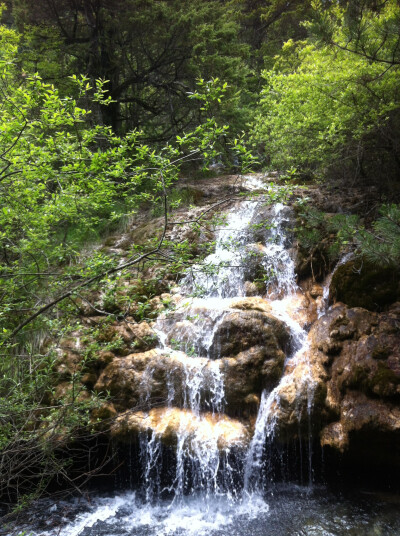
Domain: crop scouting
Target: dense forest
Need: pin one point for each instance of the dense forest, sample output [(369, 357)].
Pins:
[(105, 106)]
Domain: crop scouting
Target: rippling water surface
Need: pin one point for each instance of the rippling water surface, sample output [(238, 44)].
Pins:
[(287, 511)]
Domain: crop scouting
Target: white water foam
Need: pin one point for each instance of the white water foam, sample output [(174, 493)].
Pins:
[(193, 516), (253, 183), (198, 332), (221, 274), (280, 266), (277, 261), (192, 327), (264, 429), (103, 510)]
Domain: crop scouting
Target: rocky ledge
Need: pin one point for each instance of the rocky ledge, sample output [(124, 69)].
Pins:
[(344, 385)]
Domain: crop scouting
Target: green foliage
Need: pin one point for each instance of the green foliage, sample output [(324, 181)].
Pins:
[(246, 159), (62, 177), (183, 347), (36, 421), (323, 103), (379, 243), (150, 52), (267, 24), (334, 233)]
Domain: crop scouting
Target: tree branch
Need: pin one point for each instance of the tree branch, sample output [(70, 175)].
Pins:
[(81, 285), (365, 55)]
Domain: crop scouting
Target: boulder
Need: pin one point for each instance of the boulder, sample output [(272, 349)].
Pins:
[(263, 219), (299, 396), (127, 336), (358, 412), (360, 352), (224, 328), (143, 378), (349, 369), (68, 363), (251, 304), (252, 289), (246, 374), (105, 412), (253, 265), (150, 378), (239, 331), (358, 283)]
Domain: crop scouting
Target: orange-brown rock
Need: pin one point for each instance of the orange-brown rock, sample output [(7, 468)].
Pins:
[(255, 303), (239, 331), (347, 379), (360, 351), (246, 374), (104, 412), (68, 363), (201, 432), (133, 335), (132, 379), (358, 412), (149, 378), (299, 396), (104, 357), (68, 392), (300, 307)]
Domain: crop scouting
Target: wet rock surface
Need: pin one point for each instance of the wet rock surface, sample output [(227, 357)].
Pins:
[(360, 351), (344, 382), (168, 424), (246, 350), (239, 331)]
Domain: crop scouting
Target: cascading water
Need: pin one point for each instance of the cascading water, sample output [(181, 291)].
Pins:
[(222, 273), (277, 261), (221, 277), (204, 470), (282, 283), (325, 295)]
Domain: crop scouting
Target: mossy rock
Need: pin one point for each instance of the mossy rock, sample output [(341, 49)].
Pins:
[(188, 195), (314, 263), (147, 232), (385, 381), (358, 283)]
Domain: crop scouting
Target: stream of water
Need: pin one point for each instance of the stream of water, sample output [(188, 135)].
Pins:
[(213, 490)]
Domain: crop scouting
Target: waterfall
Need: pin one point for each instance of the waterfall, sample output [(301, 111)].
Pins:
[(200, 462), (220, 461), (277, 261), (325, 296)]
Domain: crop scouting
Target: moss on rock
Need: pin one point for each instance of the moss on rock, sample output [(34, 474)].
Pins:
[(358, 283)]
